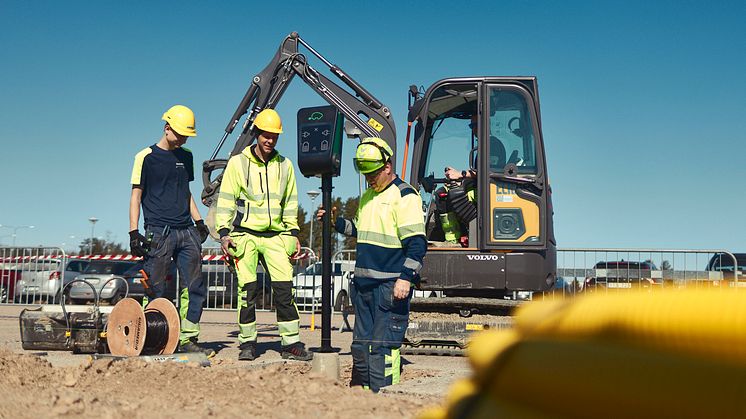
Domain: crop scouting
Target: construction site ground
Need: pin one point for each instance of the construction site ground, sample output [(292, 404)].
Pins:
[(37, 384)]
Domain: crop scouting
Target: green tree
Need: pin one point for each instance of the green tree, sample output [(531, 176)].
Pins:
[(102, 246), (304, 226)]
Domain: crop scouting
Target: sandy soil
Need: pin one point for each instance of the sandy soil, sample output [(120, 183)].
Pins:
[(31, 387)]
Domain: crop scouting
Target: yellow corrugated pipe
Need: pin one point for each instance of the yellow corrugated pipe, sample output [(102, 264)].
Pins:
[(677, 354)]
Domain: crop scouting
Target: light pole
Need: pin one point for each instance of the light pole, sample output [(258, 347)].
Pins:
[(93, 225), (15, 230), (313, 193)]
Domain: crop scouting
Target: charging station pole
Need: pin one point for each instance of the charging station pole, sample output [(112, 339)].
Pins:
[(319, 152), (326, 266)]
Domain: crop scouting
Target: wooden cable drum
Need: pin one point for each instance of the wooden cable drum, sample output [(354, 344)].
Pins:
[(131, 331)]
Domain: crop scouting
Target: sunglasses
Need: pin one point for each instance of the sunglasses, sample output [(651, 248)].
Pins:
[(375, 173)]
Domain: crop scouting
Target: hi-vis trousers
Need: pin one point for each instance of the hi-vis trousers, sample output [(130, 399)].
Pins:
[(275, 251)]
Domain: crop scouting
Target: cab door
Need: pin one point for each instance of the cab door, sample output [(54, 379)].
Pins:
[(517, 216)]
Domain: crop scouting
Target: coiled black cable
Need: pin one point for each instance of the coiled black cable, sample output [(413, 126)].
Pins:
[(157, 333)]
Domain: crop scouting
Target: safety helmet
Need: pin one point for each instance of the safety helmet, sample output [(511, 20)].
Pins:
[(269, 120), (181, 120), (372, 154)]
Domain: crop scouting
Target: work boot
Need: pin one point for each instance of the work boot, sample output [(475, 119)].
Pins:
[(357, 379), (192, 346), (296, 351), (248, 351)]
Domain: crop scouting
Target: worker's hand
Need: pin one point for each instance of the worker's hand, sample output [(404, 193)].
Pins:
[(226, 243), (202, 230), (401, 289), (452, 174), (136, 243), (296, 255), (321, 211)]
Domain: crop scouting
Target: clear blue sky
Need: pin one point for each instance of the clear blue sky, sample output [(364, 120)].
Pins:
[(643, 103)]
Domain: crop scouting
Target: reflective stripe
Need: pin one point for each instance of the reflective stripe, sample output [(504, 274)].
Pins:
[(226, 196), (183, 304), (247, 332), (374, 274), (348, 227), (189, 330), (412, 264), (393, 367), (411, 230), (289, 332), (378, 239)]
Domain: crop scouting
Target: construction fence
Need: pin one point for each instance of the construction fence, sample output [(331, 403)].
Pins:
[(45, 275)]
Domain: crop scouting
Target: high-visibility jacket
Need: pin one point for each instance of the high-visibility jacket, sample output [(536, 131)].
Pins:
[(390, 232), (257, 197)]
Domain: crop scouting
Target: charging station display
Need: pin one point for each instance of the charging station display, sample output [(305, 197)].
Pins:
[(319, 141)]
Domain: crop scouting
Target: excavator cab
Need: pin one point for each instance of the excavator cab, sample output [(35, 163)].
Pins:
[(502, 211)]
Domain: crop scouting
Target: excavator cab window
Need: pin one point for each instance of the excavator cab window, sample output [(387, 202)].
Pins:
[(451, 143), (512, 138)]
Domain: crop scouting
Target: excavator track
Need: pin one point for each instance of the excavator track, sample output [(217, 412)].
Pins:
[(442, 326)]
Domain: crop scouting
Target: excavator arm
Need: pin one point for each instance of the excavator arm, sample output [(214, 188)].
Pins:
[(371, 117)]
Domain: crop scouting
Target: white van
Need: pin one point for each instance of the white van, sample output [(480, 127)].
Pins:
[(308, 286)]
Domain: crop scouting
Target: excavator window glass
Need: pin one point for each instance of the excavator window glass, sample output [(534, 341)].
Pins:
[(450, 136), (512, 137), (451, 141)]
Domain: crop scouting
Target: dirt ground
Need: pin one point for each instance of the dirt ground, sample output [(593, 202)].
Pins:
[(37, 384)]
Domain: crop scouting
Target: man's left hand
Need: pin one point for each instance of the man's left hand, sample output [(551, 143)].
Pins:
[(202, 230), (401, 289)]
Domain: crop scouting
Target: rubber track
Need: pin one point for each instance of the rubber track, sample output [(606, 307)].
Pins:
[(433, 350)]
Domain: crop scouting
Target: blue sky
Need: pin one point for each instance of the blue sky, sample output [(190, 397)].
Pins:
[(643, 103)]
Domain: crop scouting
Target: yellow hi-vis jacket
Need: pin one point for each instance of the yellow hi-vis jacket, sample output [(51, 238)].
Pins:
[(257, 197)]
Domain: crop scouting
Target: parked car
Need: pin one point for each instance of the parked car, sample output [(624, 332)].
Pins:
[(108, 277), (43, 279), (308, 285), (723, 263), (10, 273), (623, 275)]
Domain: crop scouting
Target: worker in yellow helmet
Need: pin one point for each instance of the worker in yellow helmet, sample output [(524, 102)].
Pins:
[(390, 230), (160, 184), (257, 215)]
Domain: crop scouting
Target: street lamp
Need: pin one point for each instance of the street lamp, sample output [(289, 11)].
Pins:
[(15, 229), (312, 194), (93, 225)]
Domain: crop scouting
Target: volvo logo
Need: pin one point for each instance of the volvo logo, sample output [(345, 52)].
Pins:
[(483, 257)]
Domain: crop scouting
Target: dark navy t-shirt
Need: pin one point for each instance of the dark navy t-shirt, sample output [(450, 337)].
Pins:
[(164, 177)]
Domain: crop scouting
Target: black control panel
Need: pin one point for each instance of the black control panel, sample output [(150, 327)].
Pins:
[(319, 140)]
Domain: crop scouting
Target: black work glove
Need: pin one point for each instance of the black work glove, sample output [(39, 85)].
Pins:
[(202, 230), (136, 244)]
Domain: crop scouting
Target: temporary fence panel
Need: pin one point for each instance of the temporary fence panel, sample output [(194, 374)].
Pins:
[(308, 283), (33, 275), (222, 281), (589, 270)]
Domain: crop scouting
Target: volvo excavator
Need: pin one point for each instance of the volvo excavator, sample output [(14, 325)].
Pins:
[(490, 233)]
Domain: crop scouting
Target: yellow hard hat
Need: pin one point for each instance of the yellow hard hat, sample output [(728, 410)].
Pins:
[(181, 120), (372, 154), (269, 120)]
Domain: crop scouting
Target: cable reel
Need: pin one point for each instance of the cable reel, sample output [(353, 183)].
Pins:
[(131, 331)]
